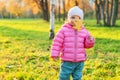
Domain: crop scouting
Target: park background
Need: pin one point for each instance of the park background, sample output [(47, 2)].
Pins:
[(26, 38)]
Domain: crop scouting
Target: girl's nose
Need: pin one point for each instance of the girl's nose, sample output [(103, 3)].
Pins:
[(77, 19)]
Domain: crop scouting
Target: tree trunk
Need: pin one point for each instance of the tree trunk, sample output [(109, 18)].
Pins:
[(64, 14), (98, 13), (10, 15), (109, 11), (59, 10), (52, 19), (104, 13), (44, 6), (115, 12), (55, 14), (76, 3), (46, 10), (1, 15)]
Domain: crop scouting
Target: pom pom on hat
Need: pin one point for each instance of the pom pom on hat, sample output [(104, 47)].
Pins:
[(75, 11)]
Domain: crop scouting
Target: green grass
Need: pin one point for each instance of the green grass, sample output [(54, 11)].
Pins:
[(25, 51)]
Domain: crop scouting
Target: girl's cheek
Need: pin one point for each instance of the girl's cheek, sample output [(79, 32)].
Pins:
[(72, 22)]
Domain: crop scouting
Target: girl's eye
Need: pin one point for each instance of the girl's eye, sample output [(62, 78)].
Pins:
[(72, 17)]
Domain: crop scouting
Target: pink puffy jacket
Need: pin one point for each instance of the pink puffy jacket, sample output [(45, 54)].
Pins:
[(71, 43)]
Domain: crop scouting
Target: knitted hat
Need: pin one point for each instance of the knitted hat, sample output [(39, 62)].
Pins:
[(75, 11)]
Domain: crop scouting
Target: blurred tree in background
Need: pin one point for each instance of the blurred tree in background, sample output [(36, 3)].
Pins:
[(106, 10), (39, 8), (15, 8), (18, 9)]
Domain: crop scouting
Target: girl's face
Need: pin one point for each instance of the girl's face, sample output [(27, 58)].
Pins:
[(73, 19)]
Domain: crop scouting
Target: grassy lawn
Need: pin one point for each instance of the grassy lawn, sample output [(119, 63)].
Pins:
[(25, 51)]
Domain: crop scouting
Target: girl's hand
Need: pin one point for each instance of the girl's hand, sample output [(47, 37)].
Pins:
[(90, 38)]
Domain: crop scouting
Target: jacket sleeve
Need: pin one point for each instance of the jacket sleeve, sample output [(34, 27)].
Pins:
[(88, 43), (57, 44)]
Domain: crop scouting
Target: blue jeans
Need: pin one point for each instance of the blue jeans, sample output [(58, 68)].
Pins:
[(71, 68)]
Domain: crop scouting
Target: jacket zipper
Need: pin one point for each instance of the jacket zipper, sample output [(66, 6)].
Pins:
[(75, 46)]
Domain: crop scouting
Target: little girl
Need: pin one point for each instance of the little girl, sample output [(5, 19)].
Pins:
[(71, 40)]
